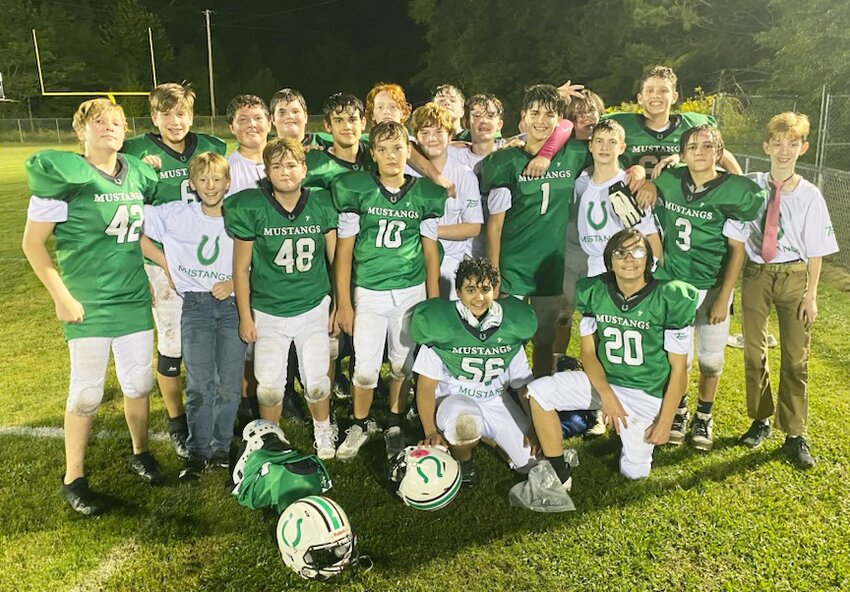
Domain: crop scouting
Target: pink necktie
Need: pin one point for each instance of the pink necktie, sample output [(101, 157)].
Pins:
[(771, 224)]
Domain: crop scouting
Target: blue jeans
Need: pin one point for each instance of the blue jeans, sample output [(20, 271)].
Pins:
[(214, 356)]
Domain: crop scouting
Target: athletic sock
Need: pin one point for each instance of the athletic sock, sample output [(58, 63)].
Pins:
[(362, 423), (178, 424), (705, 407), (562, 469), (324, 424), (394, 420)]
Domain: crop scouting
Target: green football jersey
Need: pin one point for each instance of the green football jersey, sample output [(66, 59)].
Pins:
[(692, 221), (645, 146), (97, 247), (323, 167), (631, 331), (473, 358), (289, 271), (534, 234), (274, 479), (173, 181), (388, 250)]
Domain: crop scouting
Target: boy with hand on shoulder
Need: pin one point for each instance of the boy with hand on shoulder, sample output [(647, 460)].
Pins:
[(93, 206), (250, 123), (285, 237), (462, 219), (696, 207), (388, 237), (199, 258), (169, 152), (785, 246)]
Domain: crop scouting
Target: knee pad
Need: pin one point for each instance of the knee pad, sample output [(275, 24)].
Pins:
[(467, 430), (318, 392), (334, 348), (398, 371), (84, 401), (168, 366), (710, 365), (365, 380), (269, 396)]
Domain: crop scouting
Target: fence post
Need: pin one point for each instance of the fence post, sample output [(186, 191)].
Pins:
[(20, 131), (58, 136), (133, 123)]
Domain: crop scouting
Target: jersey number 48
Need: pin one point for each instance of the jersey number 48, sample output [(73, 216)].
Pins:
[(296, 254)]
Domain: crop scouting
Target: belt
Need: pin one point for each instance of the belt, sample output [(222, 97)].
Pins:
[(786, 267)]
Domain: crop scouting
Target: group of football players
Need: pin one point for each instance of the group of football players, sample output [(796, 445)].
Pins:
[(442, 249)]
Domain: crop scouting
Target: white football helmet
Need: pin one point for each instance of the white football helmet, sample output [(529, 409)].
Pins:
[(428, 477), (260, 433), (315, 539)]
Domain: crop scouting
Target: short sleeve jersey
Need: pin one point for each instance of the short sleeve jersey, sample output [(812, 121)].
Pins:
[(173, 181), (631, 330), (289, 272), (534, 233), (323, 166), (388, 249), (97, 246), (476, 361), (645, 146), (692, 222)]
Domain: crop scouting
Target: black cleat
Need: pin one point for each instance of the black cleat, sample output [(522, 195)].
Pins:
[(293, 408), (82, 499), (220, 459), (146, 467), (469, 473), (759, 432), (178, 433)]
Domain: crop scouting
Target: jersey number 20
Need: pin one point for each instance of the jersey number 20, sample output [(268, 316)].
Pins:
[(623, 347)]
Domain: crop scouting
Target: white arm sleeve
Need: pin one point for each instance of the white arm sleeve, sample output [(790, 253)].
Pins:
[(679, 341), (587, 326), (428, 228), (44, 209), (348, 225), (499, 200)]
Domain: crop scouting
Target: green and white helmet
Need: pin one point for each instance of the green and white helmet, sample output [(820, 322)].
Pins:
[(428, 477), (315, 539), (260, 433)]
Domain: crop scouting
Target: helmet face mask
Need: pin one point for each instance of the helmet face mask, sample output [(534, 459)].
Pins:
[(315, 538), (427, 477)]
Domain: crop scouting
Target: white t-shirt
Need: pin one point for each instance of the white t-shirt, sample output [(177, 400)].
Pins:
[(244, 173), (198, 251), (429, 364), (805, 229), (597, 222), (464, 208)]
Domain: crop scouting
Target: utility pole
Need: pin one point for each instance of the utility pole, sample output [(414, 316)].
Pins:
[(210, 63)]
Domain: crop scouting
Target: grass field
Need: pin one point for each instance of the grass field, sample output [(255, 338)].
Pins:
[(733, 519)]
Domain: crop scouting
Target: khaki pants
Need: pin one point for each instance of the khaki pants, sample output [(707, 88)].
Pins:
[(782, 285)]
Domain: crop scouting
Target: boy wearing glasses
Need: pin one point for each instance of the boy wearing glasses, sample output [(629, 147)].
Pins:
[(635, 335)]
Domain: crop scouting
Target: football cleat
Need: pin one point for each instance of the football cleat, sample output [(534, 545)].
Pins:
[(82, 499), (193, 469), (315, 538), (701, 431), (394, 441), (678, 429), (426, 477), (146, 466), (324, 441)]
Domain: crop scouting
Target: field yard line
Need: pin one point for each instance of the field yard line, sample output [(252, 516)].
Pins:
[(59, 433), (117, 557)]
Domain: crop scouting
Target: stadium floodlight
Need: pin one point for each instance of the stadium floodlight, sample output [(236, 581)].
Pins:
[(111, 94), (3, 98)]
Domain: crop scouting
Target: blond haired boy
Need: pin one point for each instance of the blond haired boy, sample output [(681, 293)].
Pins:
[(785, 246)]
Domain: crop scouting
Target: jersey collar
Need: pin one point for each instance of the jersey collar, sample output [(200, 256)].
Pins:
[(394, 198), (267, 190), (191, 144), (675, 122), (358, 163), (689, 190), (122, 170), (623, 303)]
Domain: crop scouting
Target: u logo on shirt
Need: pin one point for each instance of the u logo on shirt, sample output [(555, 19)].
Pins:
[(202, 259)]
